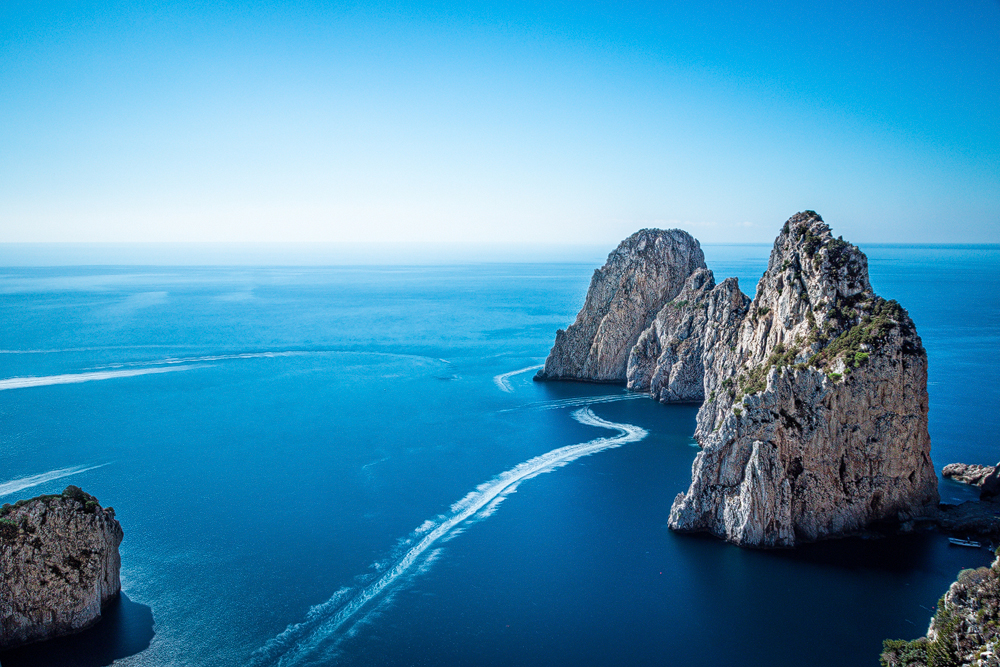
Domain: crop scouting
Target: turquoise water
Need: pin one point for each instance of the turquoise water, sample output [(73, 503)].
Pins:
[(287, 449)]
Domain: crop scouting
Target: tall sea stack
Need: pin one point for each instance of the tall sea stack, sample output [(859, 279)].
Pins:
[(813, 419), (645, 271)]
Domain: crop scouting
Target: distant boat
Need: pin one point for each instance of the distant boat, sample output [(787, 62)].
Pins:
[(965, 543)]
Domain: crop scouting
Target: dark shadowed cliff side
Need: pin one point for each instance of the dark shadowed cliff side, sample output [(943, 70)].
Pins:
[(645, 271), (59, 565)]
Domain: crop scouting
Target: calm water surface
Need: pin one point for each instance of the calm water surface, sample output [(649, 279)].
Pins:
[(287, 449)]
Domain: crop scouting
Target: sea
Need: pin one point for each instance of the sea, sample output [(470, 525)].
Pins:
[(351, 465)]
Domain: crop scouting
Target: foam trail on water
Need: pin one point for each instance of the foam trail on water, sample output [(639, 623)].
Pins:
[(220, 357), (314, 640), (22, 483), (502, 380), (72, 378), (577, 402)]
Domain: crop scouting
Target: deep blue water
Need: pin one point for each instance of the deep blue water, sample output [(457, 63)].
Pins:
[(288, 435)]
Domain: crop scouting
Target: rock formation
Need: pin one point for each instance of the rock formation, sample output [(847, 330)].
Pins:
[(668, 358), (815, 420), (965, 519), (644, 272), (967, 473), (987, 478), (964, 631), (59, 565)]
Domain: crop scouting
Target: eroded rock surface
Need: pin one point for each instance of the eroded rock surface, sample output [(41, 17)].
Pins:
[(666, 360), (644, 272), (59, 565), (968, 473), (815, 418)]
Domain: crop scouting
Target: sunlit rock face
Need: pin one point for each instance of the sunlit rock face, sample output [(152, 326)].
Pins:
[(645, 271), (59, 565), (815, 418)]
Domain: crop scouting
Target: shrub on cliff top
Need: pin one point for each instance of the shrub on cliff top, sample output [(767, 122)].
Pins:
[(89, 502)]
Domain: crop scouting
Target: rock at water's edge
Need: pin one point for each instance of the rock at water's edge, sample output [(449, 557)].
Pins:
[(669, 358), (967, 473), (815, 418), (59, 565), (644, 272)]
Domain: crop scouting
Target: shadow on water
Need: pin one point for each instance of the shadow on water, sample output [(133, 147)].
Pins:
[(125, 628)]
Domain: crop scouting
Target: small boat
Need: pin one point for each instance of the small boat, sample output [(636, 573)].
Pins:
[(965, 543)]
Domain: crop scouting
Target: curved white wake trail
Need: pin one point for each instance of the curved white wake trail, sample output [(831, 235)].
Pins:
[(577, 402), (73, 378), (502, 380), (299, 643), (22, 483)]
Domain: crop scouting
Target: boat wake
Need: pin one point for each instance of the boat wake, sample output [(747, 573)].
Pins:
[(315, 641), (73, 378), (502, 381), (22, 483), (562, 403), (172, 364)]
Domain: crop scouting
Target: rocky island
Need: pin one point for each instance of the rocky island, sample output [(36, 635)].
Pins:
[(813, 418), (59, 565)]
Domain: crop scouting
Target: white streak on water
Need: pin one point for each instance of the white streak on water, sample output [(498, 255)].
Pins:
[(577, 402), (501, 381), (72, 378), (314, 641), (22, 483)]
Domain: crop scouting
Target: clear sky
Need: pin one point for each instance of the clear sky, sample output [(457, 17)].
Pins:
[(503, 123)]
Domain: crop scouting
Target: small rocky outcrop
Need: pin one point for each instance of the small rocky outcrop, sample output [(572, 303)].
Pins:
[(59, 565), (967, 473), (965, 630), (815, 418), (987, 478), (667, 360), (644, 272)]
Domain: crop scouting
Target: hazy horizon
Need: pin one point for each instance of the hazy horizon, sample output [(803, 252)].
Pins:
[(352, 254)]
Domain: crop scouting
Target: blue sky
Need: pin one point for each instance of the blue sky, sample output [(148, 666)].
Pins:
[(497, 123)]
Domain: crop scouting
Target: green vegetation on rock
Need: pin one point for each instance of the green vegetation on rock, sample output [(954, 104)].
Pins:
[(71, 492), (965, 626)]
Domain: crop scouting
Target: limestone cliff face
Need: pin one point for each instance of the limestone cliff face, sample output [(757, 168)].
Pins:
[(667, 360), (644, 272), (59, 565), (815, 417)]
